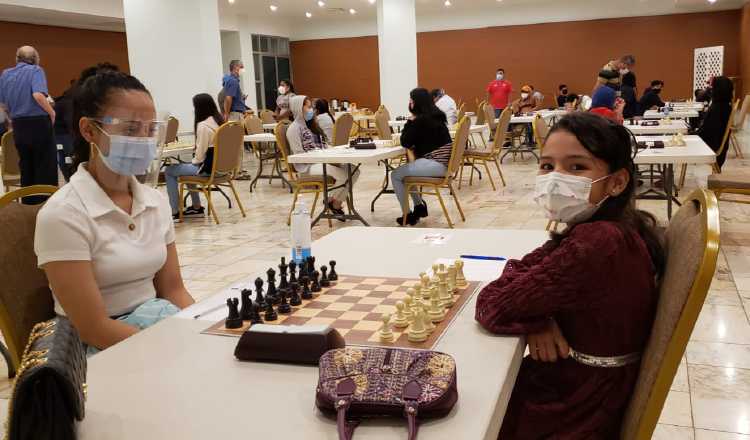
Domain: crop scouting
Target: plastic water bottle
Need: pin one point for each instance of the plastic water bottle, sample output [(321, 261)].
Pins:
[(301, 234)]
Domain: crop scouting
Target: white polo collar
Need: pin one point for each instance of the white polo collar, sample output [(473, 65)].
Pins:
[(98, 203)]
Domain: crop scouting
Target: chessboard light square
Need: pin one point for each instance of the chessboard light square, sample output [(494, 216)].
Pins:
[(327, 298), (307, 313), (386, 288), (370, 300), (382, 308), (367, 325), (397, 295), (343, 331), (359, 293), (340, 306), (353, 316), (320, 321), (375, 281), (345, 286)]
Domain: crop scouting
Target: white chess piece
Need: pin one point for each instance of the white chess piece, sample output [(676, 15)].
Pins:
[(437, 311), (428, 325), (407, 308), (386, 334), (400, 321), (452, 278), (460, 278), (445, 296), (417, 332)]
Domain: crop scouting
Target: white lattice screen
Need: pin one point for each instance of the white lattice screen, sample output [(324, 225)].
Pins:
[(707, 62)]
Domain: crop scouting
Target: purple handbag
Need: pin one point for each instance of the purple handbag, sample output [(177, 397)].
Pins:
[(357, 383)]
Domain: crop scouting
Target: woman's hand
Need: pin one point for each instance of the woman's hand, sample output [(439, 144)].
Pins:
[(547, 345)]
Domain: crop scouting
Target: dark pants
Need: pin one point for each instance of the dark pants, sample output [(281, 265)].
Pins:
[(498, 111), (65, 154), (37, 152)]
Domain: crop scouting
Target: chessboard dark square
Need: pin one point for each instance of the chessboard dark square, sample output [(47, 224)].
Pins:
[(373, 317), (362, 307), (335, 292), (329, 314), (357, 336), (378, 294), (343, 324), (349, 299), (366, 287), (316, 305), (389, 301), (295, 320)]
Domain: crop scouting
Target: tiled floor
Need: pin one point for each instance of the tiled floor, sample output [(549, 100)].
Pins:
[(710, 397)]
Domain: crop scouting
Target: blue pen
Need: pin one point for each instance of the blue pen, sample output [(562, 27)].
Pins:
[(482, 257)]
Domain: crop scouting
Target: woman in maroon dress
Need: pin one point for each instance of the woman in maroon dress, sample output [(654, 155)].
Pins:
[(586, 299)]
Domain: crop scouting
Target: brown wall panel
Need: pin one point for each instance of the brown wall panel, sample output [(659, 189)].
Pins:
[(745, 49), (64, 52), (338, 68), (545, 55)]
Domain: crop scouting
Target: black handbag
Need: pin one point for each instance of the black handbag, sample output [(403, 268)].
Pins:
[(208, 163), (50, 389)]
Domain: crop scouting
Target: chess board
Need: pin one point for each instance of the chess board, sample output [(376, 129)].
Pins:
[(354, 306)]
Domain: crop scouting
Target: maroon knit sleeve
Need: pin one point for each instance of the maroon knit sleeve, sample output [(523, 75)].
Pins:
[(565, 278)]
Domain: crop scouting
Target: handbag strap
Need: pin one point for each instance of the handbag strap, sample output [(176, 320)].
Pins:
[(345, 390)]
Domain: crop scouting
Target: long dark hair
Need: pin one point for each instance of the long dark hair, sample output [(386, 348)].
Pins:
[(613, 144), (90, 96), (424, 106), (205, 107), (723, 89), (321, 106)]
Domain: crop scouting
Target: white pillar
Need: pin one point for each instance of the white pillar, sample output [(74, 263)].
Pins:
[(246, 55), (174, 48), (397, 48)]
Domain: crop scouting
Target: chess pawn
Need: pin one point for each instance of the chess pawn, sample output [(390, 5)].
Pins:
[(441, 267), (294, 298), (460, 278), (425, 279), (260, 301), (255, 317), (271, 292), (270, 314), (407, 307), (315, 282), (428, 325), (417, 332), (333, 276), (284, 308), (413, 299), (400, 320), (435, 269), (386, 334), (324, 282), (306, 294)]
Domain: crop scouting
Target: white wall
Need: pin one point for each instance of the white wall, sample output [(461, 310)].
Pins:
[(315, 29), (230, 49), (174, 47), (106, 8), (397, 49)]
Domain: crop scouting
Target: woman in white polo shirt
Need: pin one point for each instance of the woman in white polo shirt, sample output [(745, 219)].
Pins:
[(105, 241)]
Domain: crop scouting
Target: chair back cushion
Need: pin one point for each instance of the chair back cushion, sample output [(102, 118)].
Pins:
[(228, 142), (283, 145), (383, 126), (253, 125), (481, 115), (173, 125), (502, 128), (384, 109), (742, 115), (489, 116), (691, 245), (541, 129), (267, 116), (728, 128), (25, 298), (10, 155), (459, 146), (341, 129)]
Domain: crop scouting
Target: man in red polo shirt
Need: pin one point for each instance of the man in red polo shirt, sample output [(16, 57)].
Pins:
[(498, 92)]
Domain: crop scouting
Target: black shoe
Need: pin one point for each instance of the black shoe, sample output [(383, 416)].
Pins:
[(421, 210), (192, 212), (338, 212), (411, 219)]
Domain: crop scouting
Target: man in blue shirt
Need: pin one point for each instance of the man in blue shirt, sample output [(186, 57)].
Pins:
[(234, 101), (23, 95)]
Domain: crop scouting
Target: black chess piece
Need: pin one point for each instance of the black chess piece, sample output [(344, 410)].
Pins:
[(283, 284), (233, 318), (284, 308), (270, 314), (272, 295), (283, 266), (292, 271), (315, 282), (324, 277), (306, 294), (255, 317), (312, 266), (294, 298), (246, 303), (333, 276), (260, 301)]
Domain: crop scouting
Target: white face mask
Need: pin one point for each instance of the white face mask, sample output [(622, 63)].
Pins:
[(524, 95), (499, 76), (624, 71), (129, 155), (282, 90), (565, 198)]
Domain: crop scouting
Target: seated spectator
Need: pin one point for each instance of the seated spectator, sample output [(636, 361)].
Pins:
[(650, 99), (527, 102), (605, 103), (717, 116), (325, 119), (571, 102), (447, 105), (563, 89)]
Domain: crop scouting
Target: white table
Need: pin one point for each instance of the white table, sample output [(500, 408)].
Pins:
[(696, 151), (676, 114), (672, 127), (345, 155), (260, 137), (171, 382), (269, 127), (276, 172), (697, 106), (546, 114)]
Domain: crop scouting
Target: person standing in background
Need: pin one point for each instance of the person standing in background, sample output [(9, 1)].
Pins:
[(612, 72), (563, 96), (286, 92), (23, 93), (628, 93), (447, 105), (234, 103), (498, 92)]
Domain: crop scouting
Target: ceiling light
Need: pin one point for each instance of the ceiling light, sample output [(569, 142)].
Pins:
[(712, 1), (274, 8), (231, 2), (447, 2), (372, 2), (352, 11), (321, 3), (308, 15)]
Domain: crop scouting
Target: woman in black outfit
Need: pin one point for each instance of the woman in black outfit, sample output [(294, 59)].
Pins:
[(629, 94), (717, 117), (426, 135)]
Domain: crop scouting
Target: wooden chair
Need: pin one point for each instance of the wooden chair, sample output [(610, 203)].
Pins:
[(418, 184), (730, 183), (724, 146), (173, 125), (737, 125), (300, 184), (461, 112), (25, 298), (692, 247), (473, 157), (384, 109), (10, 168), (267, 117), (481, 115), (541, 129), (227, 148), (384, 128), (489, 116), (342, 129)]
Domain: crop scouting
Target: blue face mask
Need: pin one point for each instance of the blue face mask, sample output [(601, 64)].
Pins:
[(129, 155), (309, 115)]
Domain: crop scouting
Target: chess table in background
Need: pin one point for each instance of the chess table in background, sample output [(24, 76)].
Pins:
[(354, 306)]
